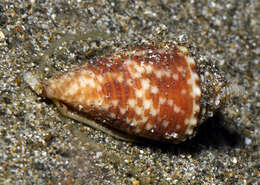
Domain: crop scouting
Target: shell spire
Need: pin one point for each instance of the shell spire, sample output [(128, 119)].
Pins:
[(149, 91)]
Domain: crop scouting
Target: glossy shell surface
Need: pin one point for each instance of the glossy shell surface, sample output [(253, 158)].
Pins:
[(148, 91)]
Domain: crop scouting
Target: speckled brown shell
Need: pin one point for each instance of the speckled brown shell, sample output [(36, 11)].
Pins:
[(149, 91)]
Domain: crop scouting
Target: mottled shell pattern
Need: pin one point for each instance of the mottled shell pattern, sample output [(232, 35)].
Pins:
[(149, 91)]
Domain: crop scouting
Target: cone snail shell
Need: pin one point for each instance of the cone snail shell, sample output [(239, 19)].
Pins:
[(157, 92)]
